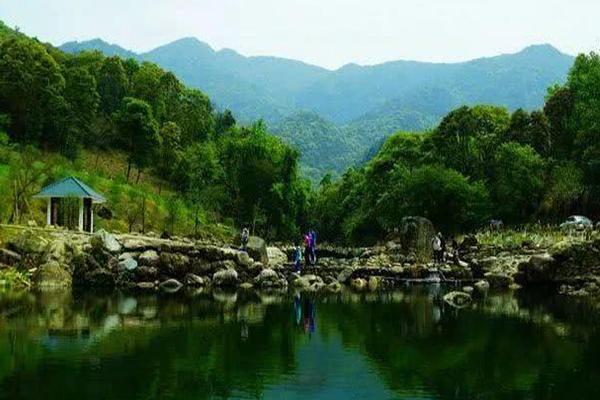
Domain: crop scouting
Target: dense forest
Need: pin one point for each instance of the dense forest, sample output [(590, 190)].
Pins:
[(480, 162), (53, 103)]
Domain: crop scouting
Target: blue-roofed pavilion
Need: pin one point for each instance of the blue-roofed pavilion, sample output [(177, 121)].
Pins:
[(71, 188)]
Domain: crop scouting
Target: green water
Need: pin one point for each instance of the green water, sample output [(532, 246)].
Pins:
[(402, 345)]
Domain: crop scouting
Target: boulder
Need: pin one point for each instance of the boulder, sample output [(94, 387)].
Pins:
[(149, 258), (171, 285), (174, 264), (306, 281), (52, 275), (194, 280), (415, 235), (334, 287), (227, 277), (358, 284), (244, 260), (107, 241), (374, 283), (146, 273), (345, 275), (277, 257), (468, 289), (257, 249), (458, 299), (499, 280), (539, 269), (482, 286), (146, 286), (128, 264), (268, 278)]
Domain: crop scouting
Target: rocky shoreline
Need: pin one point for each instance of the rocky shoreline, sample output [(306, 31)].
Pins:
[(61, 259)]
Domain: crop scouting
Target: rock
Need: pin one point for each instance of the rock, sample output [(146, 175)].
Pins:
[(306, 281), (52, 275), (107, 241), (149, 258), (482, 286), (9, 257), (358, 284), (416, 234), (128, 264), (458, 299), (334, 287), (374, 283), (539, 269), (499, 280), (146, 286), (515, 286), (257, 249), (174, 264), (268, 278), (244, 260), (146, 273), (345, 275), (171, 285), (194, 280), (468, 289), (246, 286), (316, 286), (277, 257), (228, 277)]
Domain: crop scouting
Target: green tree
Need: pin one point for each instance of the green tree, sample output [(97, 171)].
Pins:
[(139, 131), (113, 85), (444, 196), (31, 91), (467, 137), (518, 182), (194, 116)]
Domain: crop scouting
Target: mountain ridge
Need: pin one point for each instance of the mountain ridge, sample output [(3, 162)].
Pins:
[(364, 103)]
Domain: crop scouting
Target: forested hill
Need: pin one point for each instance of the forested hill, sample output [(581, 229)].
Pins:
[(176, 163), (366, 103)]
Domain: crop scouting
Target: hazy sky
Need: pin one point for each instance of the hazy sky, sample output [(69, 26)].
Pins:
[(324, 32)]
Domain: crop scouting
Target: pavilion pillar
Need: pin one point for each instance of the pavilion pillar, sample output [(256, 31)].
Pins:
[(81, 215), (49, 212), (91, 219)]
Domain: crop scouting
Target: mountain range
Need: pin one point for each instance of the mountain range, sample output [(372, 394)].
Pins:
[(335, 117)]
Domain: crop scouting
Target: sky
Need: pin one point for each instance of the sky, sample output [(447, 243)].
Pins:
[(329, 33)]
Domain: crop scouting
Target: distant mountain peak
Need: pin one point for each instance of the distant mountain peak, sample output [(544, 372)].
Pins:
[(541, 49), (98, 44), (190, 43)]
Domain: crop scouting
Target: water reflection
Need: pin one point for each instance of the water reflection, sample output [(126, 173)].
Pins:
[(405, 344), (304, 310)]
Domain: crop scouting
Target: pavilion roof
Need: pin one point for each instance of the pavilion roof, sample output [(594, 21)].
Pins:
[(70, 187)]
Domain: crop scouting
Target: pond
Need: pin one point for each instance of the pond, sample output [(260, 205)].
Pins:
[(399, 345)]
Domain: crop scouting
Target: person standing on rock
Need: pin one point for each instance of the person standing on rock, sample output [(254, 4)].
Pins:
[(297, 259), (245, 237), (313, 246), (307, 248)]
